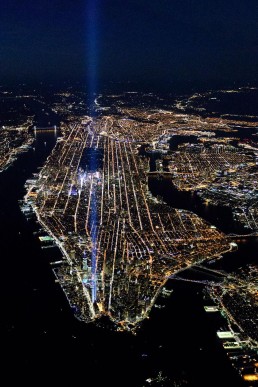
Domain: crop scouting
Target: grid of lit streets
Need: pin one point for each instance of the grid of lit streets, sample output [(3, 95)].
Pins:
[(120, 244), (222, 174), (13, 141), (238, 295), (237, 299)]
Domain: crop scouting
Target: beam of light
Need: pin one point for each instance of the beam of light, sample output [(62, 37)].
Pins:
[(92, 80), (94, 236), (92, 47)]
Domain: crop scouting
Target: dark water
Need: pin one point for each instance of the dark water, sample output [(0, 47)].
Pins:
[(178, 140), (219, 216), (239, 103), (43, 344)]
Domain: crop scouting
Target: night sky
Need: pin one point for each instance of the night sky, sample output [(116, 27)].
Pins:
[(145, 41)]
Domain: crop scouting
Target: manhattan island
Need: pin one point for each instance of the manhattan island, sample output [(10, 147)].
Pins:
[(120, 245)]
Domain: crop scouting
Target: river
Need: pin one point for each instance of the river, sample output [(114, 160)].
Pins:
[(42, 342)]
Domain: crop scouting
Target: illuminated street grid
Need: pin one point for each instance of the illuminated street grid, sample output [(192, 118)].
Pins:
[(175, 122), (237, 299), (12, 142), (15, 120), (238, 296), (222, 175), (120, 245)]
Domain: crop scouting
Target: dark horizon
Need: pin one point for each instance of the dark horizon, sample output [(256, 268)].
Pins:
[(168, 88), (153, 44)]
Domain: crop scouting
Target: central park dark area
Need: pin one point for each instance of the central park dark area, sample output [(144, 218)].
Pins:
[(40, 336), (92, 159)]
